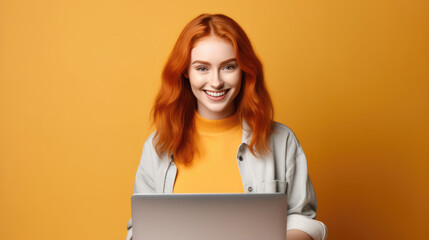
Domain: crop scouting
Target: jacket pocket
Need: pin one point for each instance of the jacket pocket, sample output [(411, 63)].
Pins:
[(275, 186)]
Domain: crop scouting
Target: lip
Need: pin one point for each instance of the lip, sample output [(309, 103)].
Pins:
[(220, 98)]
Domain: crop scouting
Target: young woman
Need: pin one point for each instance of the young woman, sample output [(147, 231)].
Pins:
[(214, 128)]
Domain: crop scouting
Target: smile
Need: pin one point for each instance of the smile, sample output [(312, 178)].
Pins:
[(216, 94)]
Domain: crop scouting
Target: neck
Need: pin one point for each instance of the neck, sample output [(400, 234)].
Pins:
[(216, 125)]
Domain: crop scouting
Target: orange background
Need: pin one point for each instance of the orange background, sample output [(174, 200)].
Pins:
[(78, 80)]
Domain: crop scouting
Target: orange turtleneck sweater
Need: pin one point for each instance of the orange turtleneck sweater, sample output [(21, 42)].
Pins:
[(214, 168)]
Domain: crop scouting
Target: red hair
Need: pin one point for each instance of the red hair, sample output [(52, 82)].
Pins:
[(175, 104)]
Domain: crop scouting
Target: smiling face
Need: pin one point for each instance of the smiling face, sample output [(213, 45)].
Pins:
[(215, 77)]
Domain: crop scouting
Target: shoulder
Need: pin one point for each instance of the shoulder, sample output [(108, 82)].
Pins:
[(151, 137), (149, 146), (284, 135), (281, 131), (149, 142), (149, 149)]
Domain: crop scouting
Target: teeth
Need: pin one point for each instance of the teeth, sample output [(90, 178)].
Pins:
[(215, 94)]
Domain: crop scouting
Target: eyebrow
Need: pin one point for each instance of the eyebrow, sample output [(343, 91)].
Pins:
[(207, 63)]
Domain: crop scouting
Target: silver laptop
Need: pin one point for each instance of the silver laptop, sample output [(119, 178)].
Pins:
[(230, 216)]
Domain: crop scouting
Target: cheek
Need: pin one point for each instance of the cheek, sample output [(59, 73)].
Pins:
[(196, 81), (235, 80)]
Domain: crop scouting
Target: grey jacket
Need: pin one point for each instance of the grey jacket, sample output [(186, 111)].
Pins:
[(284, 169)]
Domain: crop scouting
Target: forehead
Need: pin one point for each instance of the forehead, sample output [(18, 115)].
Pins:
[(212, 49)]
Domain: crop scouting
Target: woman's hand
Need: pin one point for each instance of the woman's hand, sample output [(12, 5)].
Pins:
[(295, 234)]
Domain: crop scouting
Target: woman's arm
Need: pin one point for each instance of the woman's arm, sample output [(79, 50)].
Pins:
[(302, 201), (144, 182), (295, 234)]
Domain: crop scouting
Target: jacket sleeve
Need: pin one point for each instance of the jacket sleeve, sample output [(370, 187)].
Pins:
[(302, 202), (144, 182)]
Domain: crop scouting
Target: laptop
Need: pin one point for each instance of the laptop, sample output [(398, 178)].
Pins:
[(229, 216)]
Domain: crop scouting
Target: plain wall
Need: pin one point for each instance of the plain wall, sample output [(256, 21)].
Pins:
[(78, 80)]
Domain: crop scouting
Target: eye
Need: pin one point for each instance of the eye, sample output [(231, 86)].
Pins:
[(229, 67), (202, 69)]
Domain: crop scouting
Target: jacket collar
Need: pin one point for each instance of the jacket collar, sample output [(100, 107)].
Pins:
[(246, 136), (247, 133)]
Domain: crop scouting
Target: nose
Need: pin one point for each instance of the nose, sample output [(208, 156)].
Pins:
[(216, 81)]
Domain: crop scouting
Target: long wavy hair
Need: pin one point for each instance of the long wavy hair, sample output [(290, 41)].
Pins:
[(173, 112)]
